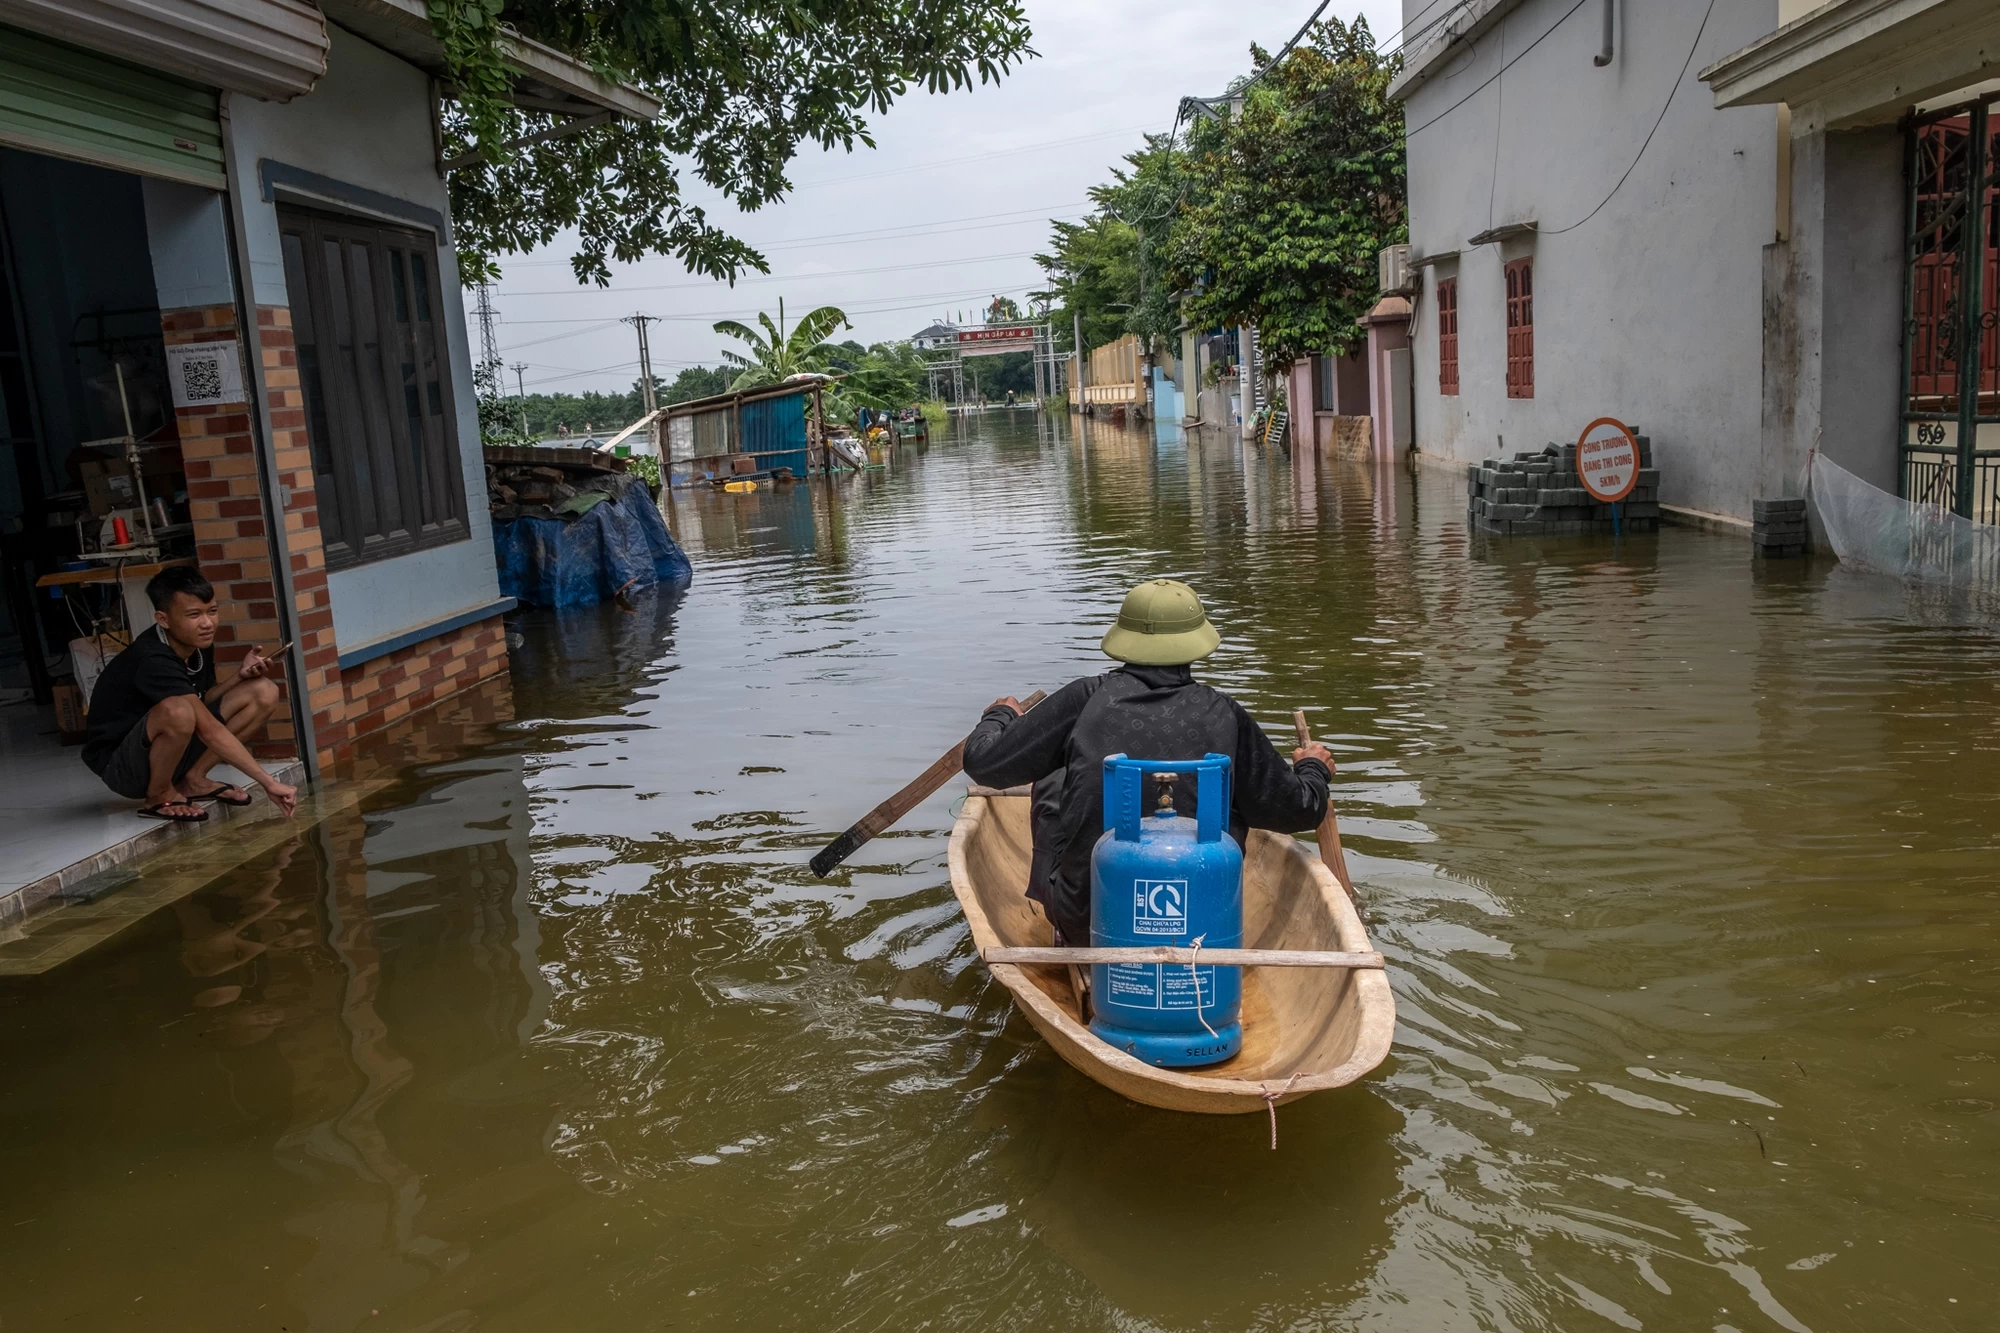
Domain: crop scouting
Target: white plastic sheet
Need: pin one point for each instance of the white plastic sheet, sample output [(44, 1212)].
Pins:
[(1875, 530)]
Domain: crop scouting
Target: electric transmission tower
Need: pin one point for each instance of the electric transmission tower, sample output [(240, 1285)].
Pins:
[(489, 338)]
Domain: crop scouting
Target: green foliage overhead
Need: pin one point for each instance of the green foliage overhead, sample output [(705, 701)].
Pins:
[(1287, 203), (776, 355), (742, 86)]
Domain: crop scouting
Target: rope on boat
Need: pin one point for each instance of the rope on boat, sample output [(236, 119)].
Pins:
[(1194, 976), (1271, 1104)]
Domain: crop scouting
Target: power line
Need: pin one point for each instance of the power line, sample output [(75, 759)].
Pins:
[(1657, 122), (940, 227), (595, 325), (920, 302), (777, 277), (1424, 31), (921, 299), (1410, 133), (978, 157)]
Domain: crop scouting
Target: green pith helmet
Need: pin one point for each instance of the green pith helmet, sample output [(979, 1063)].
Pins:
[(1161, 624)]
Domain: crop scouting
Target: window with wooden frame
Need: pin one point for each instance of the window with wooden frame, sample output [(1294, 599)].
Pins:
[(374, 367), (1521, 329), (1447, 304)]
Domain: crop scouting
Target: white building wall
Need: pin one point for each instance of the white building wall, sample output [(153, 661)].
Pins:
[(1651, 309), (368, 125)]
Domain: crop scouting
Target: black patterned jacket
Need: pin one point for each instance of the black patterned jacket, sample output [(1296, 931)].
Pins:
[(1148, 713)]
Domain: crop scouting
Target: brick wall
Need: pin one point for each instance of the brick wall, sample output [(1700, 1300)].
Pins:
[(233, 545), (225, 500), (389, 689)]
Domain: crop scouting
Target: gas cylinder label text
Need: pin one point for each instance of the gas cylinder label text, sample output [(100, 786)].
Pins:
[(1159, 907), (1159, 986)]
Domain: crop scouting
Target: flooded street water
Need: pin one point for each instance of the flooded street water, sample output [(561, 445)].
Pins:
[(1688, 874)]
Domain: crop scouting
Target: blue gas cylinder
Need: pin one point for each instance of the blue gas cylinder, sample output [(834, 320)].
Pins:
[(1162, 878)]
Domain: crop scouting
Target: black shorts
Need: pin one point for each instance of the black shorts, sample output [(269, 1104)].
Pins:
[(129, 771)]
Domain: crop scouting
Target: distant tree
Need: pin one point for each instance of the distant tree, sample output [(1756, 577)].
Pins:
[(845, 355), (499, 413), (742, 86), (1288, 203), (1110, 268), (1003, 310), (774, 354), (886, 376), (697, 382)]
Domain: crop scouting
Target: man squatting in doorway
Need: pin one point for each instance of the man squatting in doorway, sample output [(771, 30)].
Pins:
[(159, 717), (1150, 708)]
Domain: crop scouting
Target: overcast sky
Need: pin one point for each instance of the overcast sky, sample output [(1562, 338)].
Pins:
[(942, 215)]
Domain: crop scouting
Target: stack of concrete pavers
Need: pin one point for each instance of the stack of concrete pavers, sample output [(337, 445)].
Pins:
[(1540, 495), (1778, 527)]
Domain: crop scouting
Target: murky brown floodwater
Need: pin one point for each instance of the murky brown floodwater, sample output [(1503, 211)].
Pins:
[(1687, 872)]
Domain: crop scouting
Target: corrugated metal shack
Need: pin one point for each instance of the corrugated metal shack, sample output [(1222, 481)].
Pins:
[(775, 429)]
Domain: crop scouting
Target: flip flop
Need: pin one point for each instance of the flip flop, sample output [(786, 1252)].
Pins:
[(160, 812), (215, 794)]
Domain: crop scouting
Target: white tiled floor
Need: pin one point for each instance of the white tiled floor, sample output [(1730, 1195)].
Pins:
[(54, 812)]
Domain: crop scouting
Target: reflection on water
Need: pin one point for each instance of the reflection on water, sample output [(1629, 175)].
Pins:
[(1684, 868)]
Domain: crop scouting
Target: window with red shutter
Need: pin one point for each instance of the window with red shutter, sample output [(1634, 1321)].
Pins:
[(1447, 302), (1521, 329)]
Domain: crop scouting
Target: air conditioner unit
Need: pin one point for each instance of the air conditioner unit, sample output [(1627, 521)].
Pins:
[(1392, 267)]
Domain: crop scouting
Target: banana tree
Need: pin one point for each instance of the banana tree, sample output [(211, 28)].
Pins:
[(775, 355)]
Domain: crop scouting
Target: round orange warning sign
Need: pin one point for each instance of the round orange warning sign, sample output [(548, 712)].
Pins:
[(1607, 459)]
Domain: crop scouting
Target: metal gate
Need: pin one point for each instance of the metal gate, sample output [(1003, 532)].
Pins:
[(1951, 363)]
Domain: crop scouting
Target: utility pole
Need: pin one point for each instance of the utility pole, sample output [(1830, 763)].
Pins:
[(1076, 318), (646, 395), (521, 393)]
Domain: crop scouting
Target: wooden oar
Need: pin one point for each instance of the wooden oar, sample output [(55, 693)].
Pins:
[(1329, 828), (904, 801)]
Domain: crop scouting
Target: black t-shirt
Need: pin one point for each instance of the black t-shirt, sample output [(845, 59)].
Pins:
[(147, 672)]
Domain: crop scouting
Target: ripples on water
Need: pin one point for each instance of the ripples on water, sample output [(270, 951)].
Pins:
[(1684, 869)]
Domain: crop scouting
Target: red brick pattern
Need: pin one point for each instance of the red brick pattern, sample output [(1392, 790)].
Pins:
[(225, 499), (233, 544), (409, 680)]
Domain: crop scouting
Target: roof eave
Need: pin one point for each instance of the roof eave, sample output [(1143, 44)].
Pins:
[(549, 80), (1862, 61), (1427, 55)]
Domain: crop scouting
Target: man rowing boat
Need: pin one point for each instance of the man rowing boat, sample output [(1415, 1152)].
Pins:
[(1150, 708)]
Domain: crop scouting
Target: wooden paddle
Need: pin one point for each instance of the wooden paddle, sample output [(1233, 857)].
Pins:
[(1329, 828), (904, 801)]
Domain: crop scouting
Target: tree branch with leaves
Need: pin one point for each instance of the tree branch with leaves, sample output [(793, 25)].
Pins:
[(742, 87), (1289, 201)]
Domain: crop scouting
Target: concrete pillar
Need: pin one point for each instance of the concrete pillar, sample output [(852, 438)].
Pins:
[(1389, 389), (1833, 312)]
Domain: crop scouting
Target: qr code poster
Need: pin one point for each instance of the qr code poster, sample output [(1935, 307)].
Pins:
[(206, 373)]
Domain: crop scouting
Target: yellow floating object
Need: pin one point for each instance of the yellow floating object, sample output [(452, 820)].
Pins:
[(739, 487)]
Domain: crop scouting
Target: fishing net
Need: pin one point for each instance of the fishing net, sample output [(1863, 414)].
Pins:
[(1923, 543)]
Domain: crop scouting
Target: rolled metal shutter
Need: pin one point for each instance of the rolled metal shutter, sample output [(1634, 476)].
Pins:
[(67, 102), (273, 49)]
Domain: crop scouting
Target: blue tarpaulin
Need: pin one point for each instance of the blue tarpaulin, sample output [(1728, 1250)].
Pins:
[(547, 562)]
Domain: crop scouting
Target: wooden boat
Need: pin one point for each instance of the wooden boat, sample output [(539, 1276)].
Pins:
[(1304, 1029)]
